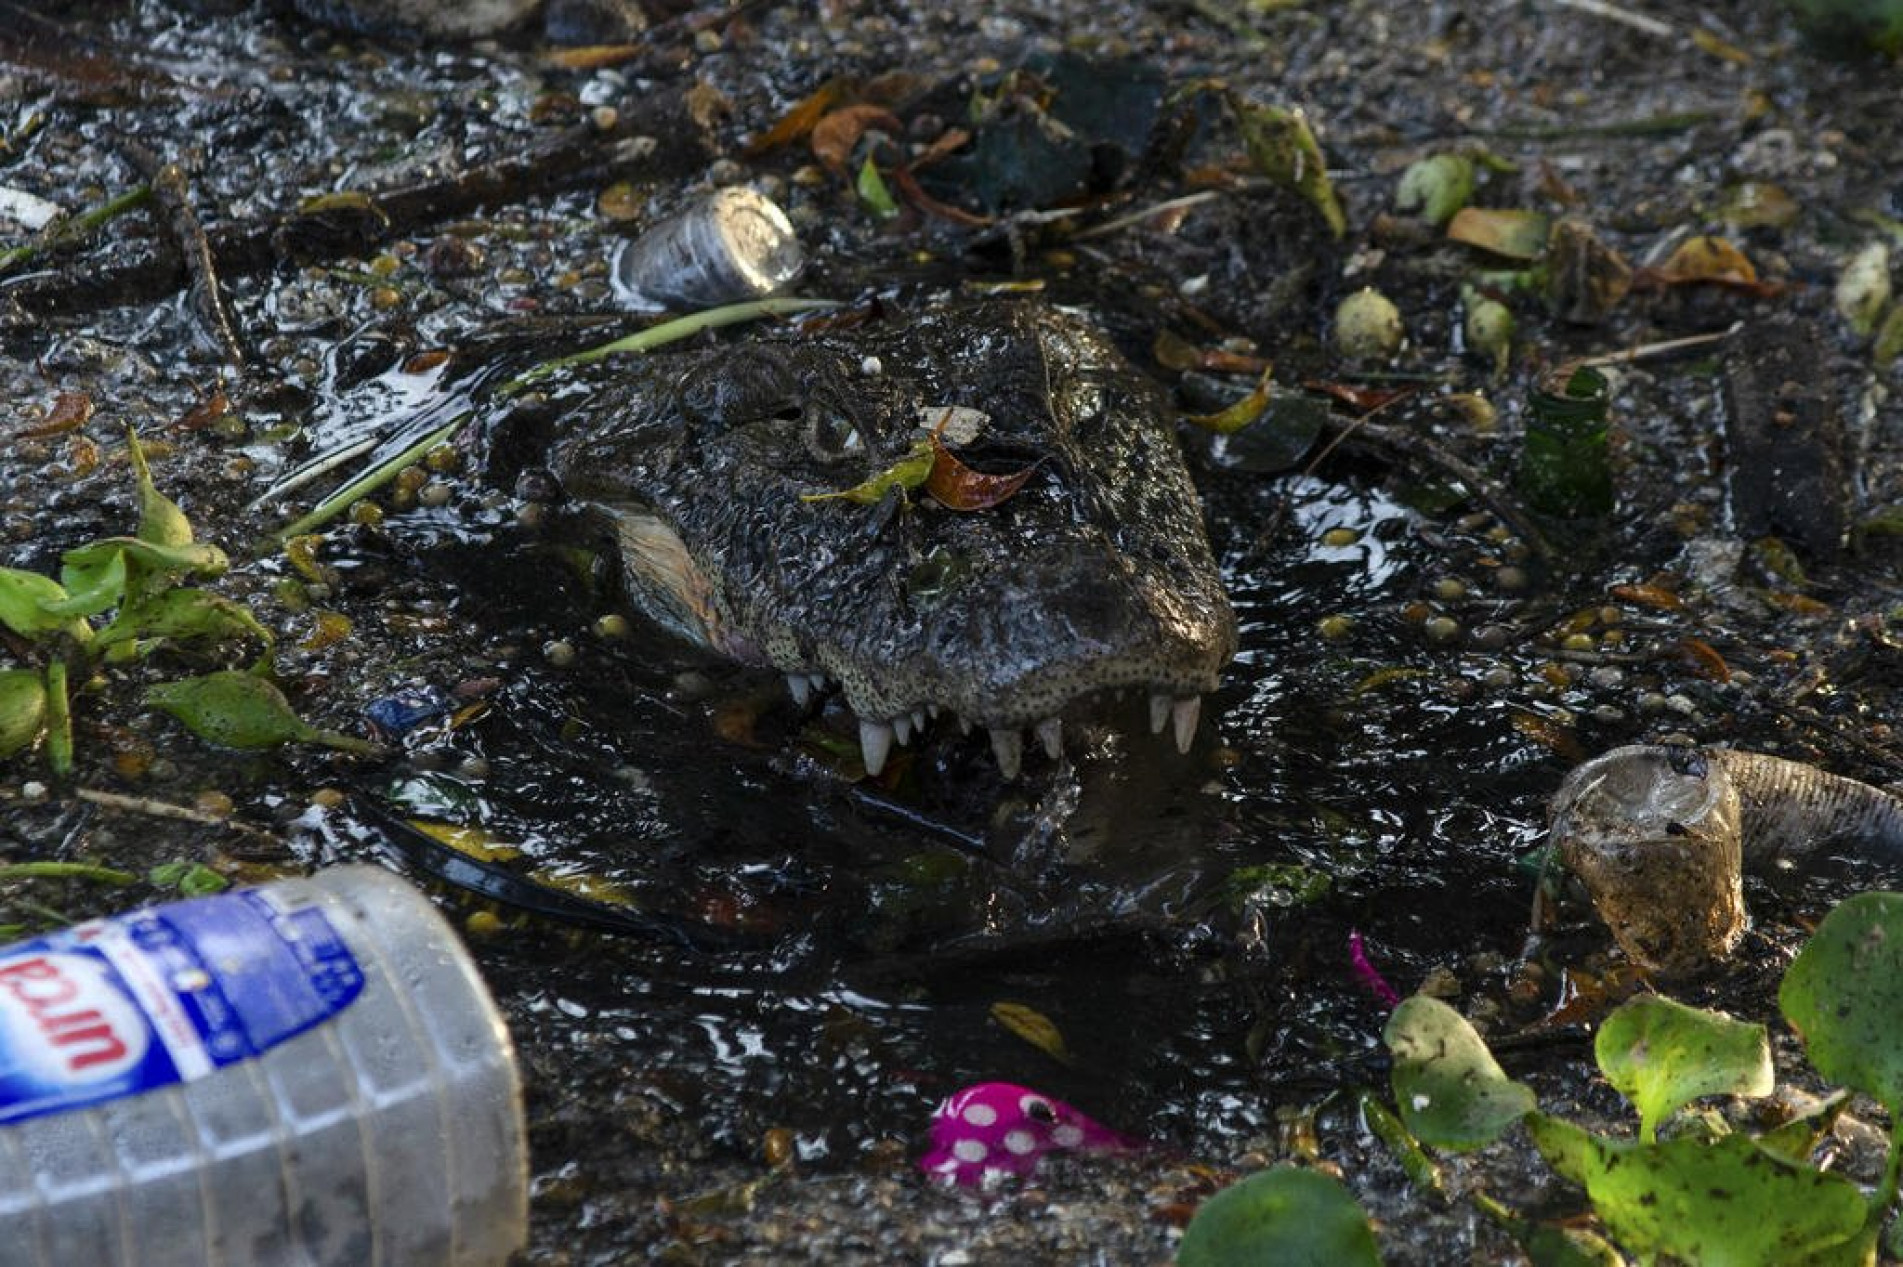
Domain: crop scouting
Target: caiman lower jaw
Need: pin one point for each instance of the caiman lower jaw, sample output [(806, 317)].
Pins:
[(1170, 708)]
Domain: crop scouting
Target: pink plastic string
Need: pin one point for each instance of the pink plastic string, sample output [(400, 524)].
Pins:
[(1366, 973)]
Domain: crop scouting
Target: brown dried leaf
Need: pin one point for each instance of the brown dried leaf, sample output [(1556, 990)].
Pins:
[(956, 486), (206, 412), (799, 121), (1704, 660), (69, 413), (1517, 235), (1364, 400), (835, 134), (909, 186), (1708, 259), (1654, 596), (592, 56), (1033, 1027)]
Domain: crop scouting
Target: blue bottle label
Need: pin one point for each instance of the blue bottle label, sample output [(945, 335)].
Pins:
[(119, 1006)]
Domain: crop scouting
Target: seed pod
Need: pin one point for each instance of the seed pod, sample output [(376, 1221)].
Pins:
[(1368, 326), (733, 246)]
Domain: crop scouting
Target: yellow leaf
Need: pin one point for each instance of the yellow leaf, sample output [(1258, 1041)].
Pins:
[(1033, 1027)]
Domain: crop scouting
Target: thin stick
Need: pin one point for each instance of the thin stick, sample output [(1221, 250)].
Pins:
[(1624, 17), (75, 229), (370, 481), (1656, 351), (188, 235)]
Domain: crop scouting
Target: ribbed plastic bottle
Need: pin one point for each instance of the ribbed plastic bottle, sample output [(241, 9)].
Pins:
[(310, 1073)]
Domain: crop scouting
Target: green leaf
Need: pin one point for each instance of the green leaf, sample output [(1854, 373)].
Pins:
[(191, 879), (1284, 1216), (242, 710), (22, 709), (1451, 1092), (161, 522), (1844, 994), (93, 586), (23, 601), (1282, 147), (184, 613), (1662, 1055), (1570, 1150), (1436, 186), (872, 191), (908, 472), (1722, 1204), (188, 558)]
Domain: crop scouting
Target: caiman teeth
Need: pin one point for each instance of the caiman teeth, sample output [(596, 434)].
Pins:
[(875, 743), (1184, 715), (902, 727), (1008, 747), (1050, 733), (802, 689), (1159, 712), (918, 720)]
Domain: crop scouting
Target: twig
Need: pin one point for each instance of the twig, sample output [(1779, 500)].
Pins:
[(188, 235), (1624, 17), (74, 229), (571, 158), (370, 481), (1656, 351), (1144, 213), (157, 809)]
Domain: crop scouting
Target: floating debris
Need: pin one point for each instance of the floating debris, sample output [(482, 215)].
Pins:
[(735, 245)]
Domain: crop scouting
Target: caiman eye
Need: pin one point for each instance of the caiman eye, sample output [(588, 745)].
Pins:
[(830, 435)]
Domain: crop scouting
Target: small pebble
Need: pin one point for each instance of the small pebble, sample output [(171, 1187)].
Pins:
[(1449, 588), (1492, 637), (483, 924), (1607, 675), (473, 768), (1510, 580), (1441, 629), (1337, 538), (1607, 715), (327, 798), (1498, 678), (1336, 627), (33, 791), (1653, 702), (1579, 642), (613, 625), (559, 652), (434, 493), (212, 801)]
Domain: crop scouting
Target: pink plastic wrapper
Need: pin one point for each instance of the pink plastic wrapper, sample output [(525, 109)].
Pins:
[(999, 1128)]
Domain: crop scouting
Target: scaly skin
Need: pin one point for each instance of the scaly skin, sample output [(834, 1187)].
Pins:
[(1097, 575)]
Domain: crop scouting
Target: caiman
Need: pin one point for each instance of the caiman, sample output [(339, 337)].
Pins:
[(1096, 577)]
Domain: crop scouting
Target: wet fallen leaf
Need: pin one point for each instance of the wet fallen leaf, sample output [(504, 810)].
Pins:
[(1756, 204), (1235, 417), (1381, 678), (1721, 49), (425, 362), (241, 710), (1701, 658), (302, 552), (1033, 1027), (471, 842), (206, 412), (909, 472), (873, 192), (1172, 351), (909, 186), (801, 119), (956, 486), (592, 56), (1653, 596), (1363, 400), (837, 133), (1796, 604), (1517, 235), (1550, 735), (69, 413)]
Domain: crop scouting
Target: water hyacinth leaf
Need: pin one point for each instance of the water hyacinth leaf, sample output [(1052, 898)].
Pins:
[(1451, 1092), (59, 720), (191, 879), (1844, 995), (184, 613), (872, 191), (1033, 1027), (1436, 187), (161, 522), (1572, 1151), (1283, 148), (91, 586), (1889, 342), (242, 710), (183, 559), (1727, 1203), (24, 601), (1662, 1055), (956, 486), (22, 709), (1558, 1246), (1286, 1216), (1233, 418), (1797, 1139), (909, 472), (1513, 234)]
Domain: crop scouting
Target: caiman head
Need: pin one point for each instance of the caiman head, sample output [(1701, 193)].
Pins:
[(1096, 576)]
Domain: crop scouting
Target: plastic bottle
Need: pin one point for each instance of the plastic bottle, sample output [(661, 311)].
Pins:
[(306, 1073), (733, 245)]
